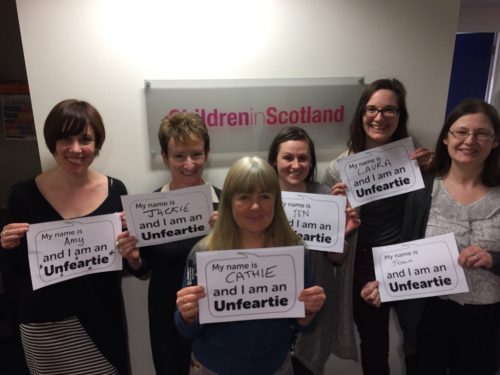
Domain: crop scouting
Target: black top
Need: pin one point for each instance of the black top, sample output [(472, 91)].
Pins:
[(166, 262), (381, 221), (96, 299)]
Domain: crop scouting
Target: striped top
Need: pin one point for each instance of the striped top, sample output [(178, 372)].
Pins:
[(62, 347)]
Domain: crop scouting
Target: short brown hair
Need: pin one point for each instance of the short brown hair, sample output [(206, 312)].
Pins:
[(183, 127), (71, 117)]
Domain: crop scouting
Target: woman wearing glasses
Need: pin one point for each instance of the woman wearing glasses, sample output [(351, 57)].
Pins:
[(460, 332), (380, 118)]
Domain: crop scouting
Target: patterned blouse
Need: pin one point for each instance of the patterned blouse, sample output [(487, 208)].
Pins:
[(478, 224)]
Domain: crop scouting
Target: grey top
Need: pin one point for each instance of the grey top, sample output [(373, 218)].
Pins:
[(333, 328), (478, 224), (317, 188)]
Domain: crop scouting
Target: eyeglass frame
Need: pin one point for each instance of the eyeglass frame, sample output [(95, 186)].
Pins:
[(381, 111), (476, 136)]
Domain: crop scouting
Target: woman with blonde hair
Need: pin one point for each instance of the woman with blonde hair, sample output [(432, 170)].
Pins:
[(251, 216)]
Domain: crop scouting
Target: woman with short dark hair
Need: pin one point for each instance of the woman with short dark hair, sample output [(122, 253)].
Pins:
[(75, 326)]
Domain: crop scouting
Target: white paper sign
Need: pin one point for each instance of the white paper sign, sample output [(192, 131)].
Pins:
[(62, 250), (417, 269), (251, 284), (380, 172), (157, 218), (318, 218)]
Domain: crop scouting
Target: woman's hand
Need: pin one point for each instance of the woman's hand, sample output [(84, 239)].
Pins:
[(475, 257), (11, 235), (424, 158), (126, 245), (187, 302), (123, 220), (339, 188), (313, 298), (336, 258), (352, 220), (213, 218), (370, 293)]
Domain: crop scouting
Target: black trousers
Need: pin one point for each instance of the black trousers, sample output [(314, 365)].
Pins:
[(171, 351), (372, 322), (460, 339)]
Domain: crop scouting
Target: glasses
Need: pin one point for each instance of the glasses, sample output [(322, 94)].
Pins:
[(480, 136), (387, 112)]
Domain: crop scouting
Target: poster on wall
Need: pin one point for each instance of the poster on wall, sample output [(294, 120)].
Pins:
[(17, 117), (244, 116)]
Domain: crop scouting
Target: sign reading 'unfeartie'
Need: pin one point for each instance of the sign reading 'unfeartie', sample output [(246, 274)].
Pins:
[(380, 172), (158, 218), (251, 284), (62, 250)]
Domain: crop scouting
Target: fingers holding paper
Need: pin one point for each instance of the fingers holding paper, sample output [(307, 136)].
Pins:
[(370, 293)]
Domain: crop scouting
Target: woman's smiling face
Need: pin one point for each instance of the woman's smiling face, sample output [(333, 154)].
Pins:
[(186, 162), (293, 164), (76, 153), (253, 212), (379, 128), (470, 150)]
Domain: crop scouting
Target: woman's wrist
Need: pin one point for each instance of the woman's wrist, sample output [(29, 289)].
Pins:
[(135, 263)]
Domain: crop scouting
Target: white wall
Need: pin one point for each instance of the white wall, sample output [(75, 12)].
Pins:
[(102, 50), (495, 84), (479, 18)]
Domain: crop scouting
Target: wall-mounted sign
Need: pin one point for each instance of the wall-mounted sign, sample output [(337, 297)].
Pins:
[(243, 116)]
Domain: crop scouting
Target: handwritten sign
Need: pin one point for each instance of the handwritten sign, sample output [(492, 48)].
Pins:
[(62, 250), (251, 284), (380, 172), (318, 218), (157, 218), (418, 269)]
